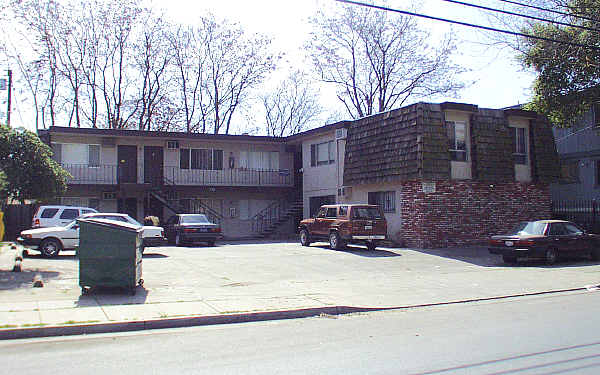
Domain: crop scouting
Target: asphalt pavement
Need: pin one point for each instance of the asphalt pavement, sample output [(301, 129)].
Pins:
[(254, 281)]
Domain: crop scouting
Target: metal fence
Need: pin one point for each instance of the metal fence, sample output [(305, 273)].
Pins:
[(583, 212)]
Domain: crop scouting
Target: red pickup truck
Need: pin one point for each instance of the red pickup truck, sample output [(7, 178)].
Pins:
[(342, 224)]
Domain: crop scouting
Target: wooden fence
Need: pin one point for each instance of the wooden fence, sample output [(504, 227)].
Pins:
[(17, 217)]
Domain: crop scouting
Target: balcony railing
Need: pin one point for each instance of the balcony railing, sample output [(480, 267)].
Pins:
[(107, 175), (85, 174), (228, 177)]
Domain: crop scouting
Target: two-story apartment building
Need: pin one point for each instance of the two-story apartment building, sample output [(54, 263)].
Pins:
[(232, 178), (444, 174)]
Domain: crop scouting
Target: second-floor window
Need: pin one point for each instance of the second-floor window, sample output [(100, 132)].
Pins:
[(76, 153), (520, 153), (457, 143), (322, 153), (201, 158)]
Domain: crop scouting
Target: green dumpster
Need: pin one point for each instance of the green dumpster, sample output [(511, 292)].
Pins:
[(110, 254)]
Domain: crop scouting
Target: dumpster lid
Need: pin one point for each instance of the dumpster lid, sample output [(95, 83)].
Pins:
[(112, 223)]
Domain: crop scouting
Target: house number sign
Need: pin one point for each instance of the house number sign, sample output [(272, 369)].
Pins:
[(428, 187)]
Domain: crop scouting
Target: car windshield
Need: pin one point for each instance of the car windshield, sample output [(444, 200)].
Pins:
[(366, 213), (528, 228), (194, 219)]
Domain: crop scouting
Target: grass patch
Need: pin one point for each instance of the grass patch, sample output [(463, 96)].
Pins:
[(33, 325), (8, 326), (163, 315), (81, 322)]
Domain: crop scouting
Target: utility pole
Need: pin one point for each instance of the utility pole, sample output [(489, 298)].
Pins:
[(9, 92)]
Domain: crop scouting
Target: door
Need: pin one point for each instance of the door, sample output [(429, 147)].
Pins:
[(128, 206), (560, 239), (153, 165), (127, 167)]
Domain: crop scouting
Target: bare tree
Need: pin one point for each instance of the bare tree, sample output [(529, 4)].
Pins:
[(292, 106), (152, 64), (235, 64), (378, 61)]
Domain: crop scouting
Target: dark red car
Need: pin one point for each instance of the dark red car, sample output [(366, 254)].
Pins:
[(545, 239), (341, 224)]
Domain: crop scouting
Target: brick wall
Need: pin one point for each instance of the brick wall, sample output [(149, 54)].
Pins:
[(467, 212)]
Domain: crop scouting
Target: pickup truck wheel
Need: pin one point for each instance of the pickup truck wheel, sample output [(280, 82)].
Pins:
[(304, 238), (551, 256), (50, 247), (335, 241)]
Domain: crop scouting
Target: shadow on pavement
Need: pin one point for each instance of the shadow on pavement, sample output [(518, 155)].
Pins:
[(364, 252), (16, 280), (154, 255), (60, 256), (481, 257), (105, 296)]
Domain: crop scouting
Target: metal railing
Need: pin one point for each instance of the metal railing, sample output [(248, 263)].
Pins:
[(85, 174), (586, 213), (274, 214), (108, 175)]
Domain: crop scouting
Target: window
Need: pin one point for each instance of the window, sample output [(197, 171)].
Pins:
[(520, 153), (316, 202), (94, 155), (200, 158), (597, 172), (572, 229), (322, 153), (331, 212), (49, 213), (77, 153), (343, 211), (569, 171), (69, 214), (384, 199), (262, 160), (457, 132), (557, 229)]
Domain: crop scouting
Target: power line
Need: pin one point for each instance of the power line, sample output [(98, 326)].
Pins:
[(521, 15), (550, 10), (468, 24)]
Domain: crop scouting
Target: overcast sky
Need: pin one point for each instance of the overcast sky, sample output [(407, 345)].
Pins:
[(499, 79)]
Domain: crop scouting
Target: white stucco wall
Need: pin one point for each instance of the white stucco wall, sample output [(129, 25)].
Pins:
[(360, 194), (321, 180)]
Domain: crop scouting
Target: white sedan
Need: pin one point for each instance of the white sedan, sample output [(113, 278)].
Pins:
[(50, 241)]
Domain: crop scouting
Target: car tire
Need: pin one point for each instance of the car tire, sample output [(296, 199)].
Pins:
[(50, 247), (551, 256), (371, 246), (509, 259), (595, 254), (304, 238), (335, 242)]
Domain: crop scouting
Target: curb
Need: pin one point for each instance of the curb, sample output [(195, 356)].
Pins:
[(113, 327)]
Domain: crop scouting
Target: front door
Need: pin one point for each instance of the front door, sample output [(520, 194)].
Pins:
[(127, 167), (153, 165)]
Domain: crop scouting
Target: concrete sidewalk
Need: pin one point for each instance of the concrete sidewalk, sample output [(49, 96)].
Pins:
[(253, 282)]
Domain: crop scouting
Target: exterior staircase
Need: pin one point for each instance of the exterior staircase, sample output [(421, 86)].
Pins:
[(268, 221)]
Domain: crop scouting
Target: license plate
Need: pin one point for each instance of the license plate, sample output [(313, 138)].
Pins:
[(368, 227), (509, 243)]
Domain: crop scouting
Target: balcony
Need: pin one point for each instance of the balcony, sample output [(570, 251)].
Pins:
[(107, 175)]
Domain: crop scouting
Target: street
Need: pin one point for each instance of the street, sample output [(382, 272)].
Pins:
[(549, 334)]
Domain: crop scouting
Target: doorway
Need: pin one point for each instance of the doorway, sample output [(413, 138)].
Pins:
[(127, 166), (153, 165)]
